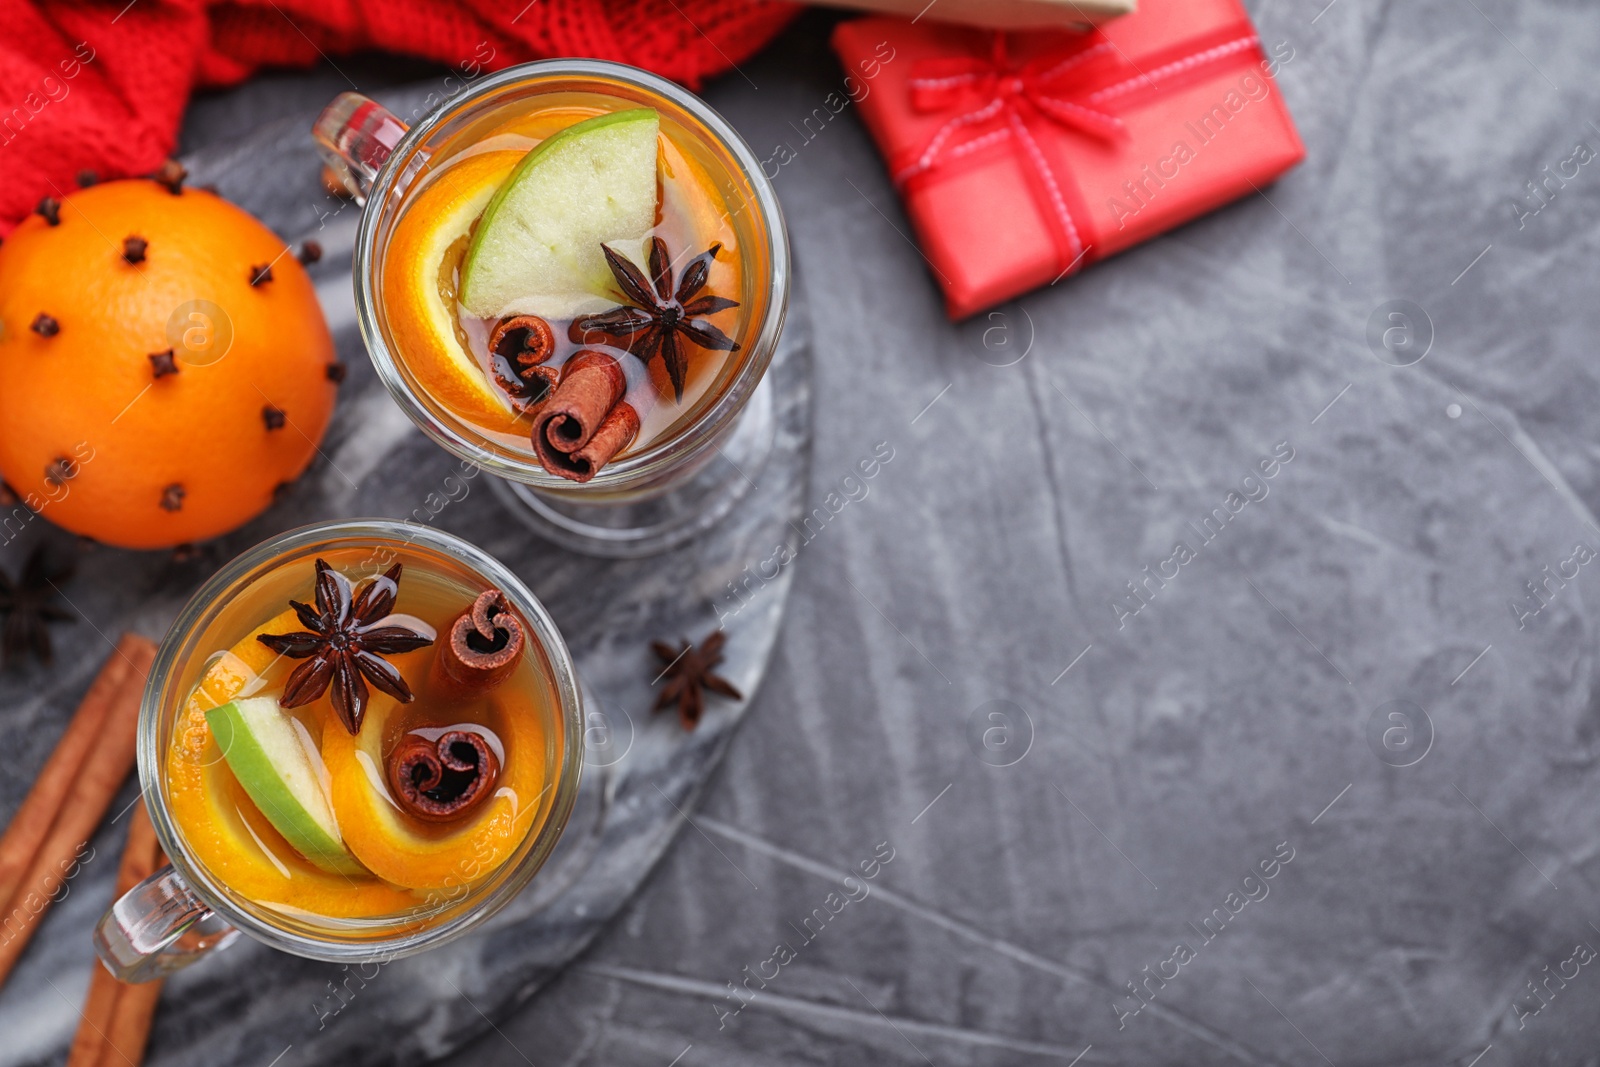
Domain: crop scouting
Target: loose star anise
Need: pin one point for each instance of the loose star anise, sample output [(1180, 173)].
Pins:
[(689, 673), (28, 607), (660, 319), (349, 636)]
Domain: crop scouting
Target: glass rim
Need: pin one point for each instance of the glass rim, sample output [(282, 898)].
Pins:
[(651, 464), (153, 706)]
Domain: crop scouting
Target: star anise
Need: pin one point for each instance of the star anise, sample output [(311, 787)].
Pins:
[(661, 318), (28, 606), (689, 673), (349, 634)]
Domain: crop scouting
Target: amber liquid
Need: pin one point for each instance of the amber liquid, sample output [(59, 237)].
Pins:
[(700, 203), (416, 869)]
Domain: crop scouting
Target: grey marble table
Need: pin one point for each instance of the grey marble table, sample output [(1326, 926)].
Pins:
[(1351, 684)]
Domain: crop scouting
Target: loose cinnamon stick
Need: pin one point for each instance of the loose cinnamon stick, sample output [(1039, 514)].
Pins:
[(99, 1007), (32, 821), (93, 784), (481, 649), (591, 384), (130, 1026), (116, 1016)]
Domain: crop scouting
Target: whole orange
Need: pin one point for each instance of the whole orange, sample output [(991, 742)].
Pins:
[(156, 384)]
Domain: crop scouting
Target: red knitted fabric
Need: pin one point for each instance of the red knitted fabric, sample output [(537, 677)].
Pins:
[(101, 84)]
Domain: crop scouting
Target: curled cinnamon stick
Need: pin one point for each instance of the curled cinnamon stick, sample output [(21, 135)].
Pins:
[(525, 340), (483, 647), (72, 798), (591, 384), (117, 1017), (617, 432), (519, 345), (542, 380), (443, 778)]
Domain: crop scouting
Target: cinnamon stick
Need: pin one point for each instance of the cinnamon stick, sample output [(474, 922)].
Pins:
[(482, 648), (130, 1026), (592, 383), (31, 823), (75, 812), (617, 432), (518, 348), (443, 779), (99, 1007), (116, 1016), (524, 340), (539, 382)]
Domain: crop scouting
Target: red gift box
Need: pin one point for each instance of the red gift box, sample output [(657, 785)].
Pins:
[(1024, 157)]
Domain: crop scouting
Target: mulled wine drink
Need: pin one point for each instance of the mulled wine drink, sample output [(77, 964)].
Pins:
[(366, 737), (573, 279)]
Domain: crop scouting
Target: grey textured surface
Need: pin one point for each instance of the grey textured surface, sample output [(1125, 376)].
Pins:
[(1230, 715)]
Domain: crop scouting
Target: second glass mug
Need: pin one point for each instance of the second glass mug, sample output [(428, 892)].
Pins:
[(210, 892), (669, 488)]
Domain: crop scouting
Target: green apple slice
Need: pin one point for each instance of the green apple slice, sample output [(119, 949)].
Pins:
[(269, 754), (537, 247)]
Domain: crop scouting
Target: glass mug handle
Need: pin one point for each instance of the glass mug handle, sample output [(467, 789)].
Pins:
[(157, 927), (355, 135)]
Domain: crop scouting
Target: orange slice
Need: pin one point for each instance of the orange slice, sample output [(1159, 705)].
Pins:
[(222, 826), (420, 273), (447, 858)]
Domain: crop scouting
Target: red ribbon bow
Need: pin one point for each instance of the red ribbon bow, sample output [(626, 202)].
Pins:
[(1051, 85), (995, 100)]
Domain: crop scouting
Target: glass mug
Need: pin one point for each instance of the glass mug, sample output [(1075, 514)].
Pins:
[(231, 871), (665, 486)]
